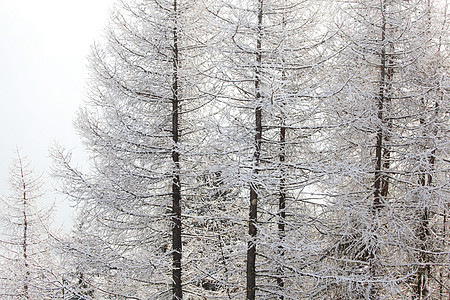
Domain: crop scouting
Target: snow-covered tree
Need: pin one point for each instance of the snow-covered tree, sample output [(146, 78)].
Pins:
[(142, 126), (372, 175), (267, 53), (264, 149), (424, 154), (27, 269)]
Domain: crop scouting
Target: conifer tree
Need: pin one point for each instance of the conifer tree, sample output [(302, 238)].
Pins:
[(268, 53), (376, 131), (140, 126), (27, 270)]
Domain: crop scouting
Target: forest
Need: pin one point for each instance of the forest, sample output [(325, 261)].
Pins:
[(249, 149)]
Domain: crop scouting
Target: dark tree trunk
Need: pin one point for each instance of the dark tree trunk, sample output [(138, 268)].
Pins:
[(423, 272), (425, 179), (282, 188), (25, 235), (387, 124), (382, 152), (442, 270), (251, 250), (424, 232), (176, 185), (381, 101), (282, 202)]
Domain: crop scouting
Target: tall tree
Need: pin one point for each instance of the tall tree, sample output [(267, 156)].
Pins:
[(241, 150), (25, 241), (268, 53), (141, 125), (424, 156), (376, 126)]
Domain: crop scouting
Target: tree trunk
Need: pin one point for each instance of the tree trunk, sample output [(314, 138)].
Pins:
[(282, 202), (382, 153), (282, 188), (25, 234), (251, 250), (379, 192), (425, 179), (424, 232), (176, 185)]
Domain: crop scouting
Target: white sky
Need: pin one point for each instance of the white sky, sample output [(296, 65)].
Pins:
[(43, 50)]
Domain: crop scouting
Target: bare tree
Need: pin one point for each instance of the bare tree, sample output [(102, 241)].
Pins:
[(268, 55), (27, 269), (141, 125), (377, 130), (264, 149)]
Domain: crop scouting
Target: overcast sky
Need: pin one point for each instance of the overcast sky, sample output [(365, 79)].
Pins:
[(43, 50)]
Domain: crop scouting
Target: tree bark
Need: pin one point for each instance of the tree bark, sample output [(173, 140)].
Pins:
[(425, 179), (381, 101), (25, 235), (382, 153), (251, 250), (282, 202), (424, 231), (176, 184)]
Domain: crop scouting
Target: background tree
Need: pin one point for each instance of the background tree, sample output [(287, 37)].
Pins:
[(28, 271), (375, 118), (426, 179)]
